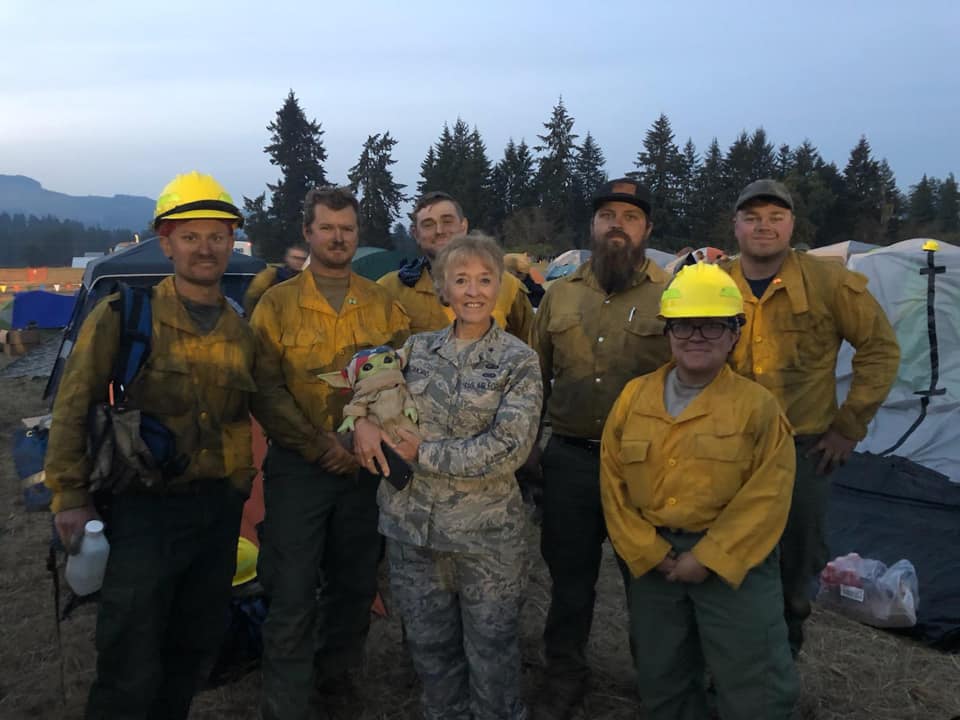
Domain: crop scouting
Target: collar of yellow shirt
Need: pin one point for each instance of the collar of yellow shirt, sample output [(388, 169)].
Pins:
[(789, 279)]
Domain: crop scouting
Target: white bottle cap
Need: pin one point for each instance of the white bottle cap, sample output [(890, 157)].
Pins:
[(93, 527)]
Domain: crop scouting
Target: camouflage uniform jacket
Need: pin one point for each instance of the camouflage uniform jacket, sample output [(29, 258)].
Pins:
[(478, 415), (199, 386)]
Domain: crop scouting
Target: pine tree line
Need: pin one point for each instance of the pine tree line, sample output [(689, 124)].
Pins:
[(538, 198), (30, 241)]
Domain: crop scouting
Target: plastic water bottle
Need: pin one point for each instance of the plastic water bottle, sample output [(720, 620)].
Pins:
[(85, 570)]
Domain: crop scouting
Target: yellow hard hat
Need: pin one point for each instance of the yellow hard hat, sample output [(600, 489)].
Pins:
[(701, 290), (193, 197), (247, 554)]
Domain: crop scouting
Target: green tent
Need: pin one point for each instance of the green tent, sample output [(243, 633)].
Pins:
[(373, 262)]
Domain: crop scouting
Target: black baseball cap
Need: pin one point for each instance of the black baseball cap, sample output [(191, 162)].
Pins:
[(623, 190)]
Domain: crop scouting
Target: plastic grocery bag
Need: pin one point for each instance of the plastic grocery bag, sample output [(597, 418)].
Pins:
[(869, 592)]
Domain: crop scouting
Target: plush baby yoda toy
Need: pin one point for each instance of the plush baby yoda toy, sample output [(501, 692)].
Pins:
[(379, 391)]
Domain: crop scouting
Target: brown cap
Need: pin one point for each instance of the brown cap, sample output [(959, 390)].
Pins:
[(767, 189), (623, 190)]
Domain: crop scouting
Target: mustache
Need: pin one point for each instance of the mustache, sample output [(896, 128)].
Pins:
[(616, 233)]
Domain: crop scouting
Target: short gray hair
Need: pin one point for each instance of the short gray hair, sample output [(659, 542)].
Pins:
[(472, 245)]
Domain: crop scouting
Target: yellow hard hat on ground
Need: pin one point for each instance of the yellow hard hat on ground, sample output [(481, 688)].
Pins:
[(194, 197), (247, 554), (701, 290)]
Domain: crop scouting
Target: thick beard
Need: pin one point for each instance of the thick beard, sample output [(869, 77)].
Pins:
[(614, 266)]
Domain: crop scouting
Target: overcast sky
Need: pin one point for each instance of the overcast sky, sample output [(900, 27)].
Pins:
[(117, 97)]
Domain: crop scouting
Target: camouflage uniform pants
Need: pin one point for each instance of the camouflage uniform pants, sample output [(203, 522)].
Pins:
[(462, 615), (165, 600), (739, 633), (571, 542), (317, 525), (803, 547)]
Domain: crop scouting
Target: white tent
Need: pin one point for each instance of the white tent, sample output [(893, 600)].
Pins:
[(920, 291), (660, 257), (843, 250)]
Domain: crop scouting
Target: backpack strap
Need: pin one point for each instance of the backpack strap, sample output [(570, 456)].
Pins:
[(136, 327)]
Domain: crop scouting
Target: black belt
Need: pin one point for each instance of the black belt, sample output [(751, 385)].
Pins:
[(591, 445)]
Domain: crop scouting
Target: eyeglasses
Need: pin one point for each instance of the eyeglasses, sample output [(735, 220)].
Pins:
[(709, 330)]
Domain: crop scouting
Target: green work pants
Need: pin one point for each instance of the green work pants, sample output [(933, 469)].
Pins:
[(571, 541), (318, 526), (165, 600), (681, 628), (803, 547)]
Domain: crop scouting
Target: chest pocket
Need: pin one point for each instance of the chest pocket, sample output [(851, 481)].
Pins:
[(165, 386), (235, 387), (305, 350), (480, 393), (806, 341), (644, 344), (723, 462), (567, 338), (633, 458)]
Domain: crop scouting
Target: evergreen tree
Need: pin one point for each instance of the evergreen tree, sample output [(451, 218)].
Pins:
[(512, 182), (806, 159), (687, 190), (948, 206), (923, 204), (428, 169), (659, 168), (475, 190), (711, 212), (738, 167), (380, 196), (784, 162), (588, 175), (864, 193), (763, 163), (296, 147), (258, 226), (892, 204), (555, 167), (457, 164)]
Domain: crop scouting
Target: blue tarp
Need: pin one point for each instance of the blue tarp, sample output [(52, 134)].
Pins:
[(41, 309)]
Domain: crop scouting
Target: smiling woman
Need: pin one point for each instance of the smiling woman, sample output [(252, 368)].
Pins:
[(467, 277), (456, 533)]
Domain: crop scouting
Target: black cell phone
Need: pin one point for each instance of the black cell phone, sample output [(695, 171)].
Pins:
[(400, 470)]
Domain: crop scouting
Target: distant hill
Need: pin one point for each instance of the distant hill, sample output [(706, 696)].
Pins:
[(20, 194)]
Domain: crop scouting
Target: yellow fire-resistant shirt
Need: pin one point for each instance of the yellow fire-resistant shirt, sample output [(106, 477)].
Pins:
[(724, 466), (513, 311), (792, 336), (298, 335), (199, 386), (591, 344)]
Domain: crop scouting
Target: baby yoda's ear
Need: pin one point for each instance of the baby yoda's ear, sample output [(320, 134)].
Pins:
[(402, 357), (333, 379)]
